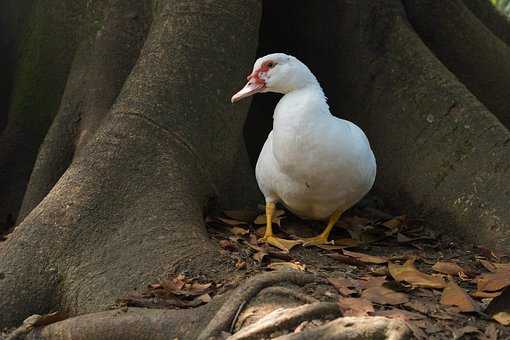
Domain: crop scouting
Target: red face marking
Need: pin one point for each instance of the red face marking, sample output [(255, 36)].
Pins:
[(255, 75)]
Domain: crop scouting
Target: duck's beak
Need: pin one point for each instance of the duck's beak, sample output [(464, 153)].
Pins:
[(253, 86)]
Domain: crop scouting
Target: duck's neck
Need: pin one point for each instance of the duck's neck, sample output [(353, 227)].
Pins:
[(300, 118), (300, 107)]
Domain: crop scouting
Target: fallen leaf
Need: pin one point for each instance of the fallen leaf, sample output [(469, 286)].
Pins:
[(241, 264), (458, 333), (378, 270), (346, 242), (419, 306), (384, 296), (453, 295), (408, 273), (494, 267), (228, 245), (205, 298), (171, 292), (278, 215), (503, 318), (330, 247), (346, 259), (238, 231), (355, 306), (344, 285), (499, 308), (418, 333), (400, 314), (365, 257), (484, 295), (491, 332), (450, 268), (491, 282), (441, 315), (487, 253), (394, 223), (286, 266), (241, 215), (370, 281)]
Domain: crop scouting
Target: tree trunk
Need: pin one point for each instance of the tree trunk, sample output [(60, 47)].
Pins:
[(121, 136)]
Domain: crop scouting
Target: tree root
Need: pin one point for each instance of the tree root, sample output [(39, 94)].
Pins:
[(468, 48), (285, 318), (288, 293), (225, 316), (489, 15), (412, 113), (120, 324), (359, 328)]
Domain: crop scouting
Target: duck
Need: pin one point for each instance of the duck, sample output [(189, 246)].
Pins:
[(313, 163)]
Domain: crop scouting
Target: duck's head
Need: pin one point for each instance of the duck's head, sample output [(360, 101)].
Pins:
[(277, 72)]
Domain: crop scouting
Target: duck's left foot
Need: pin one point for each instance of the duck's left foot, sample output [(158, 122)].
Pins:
[(317, 241), (280, 243)]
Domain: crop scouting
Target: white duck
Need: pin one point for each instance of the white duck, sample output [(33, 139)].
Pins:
[(317, 165)]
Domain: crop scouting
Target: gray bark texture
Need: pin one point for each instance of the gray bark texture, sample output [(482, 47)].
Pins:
[(117, 136)]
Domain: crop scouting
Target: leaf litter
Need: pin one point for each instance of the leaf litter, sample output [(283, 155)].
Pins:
[(386, 265), (172, 292)]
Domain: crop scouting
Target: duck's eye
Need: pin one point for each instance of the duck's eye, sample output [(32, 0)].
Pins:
[(271, 64)]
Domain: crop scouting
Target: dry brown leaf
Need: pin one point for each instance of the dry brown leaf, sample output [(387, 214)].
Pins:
[(347, 242), (494, 266), (205, 298), (277, 217), (453, 295), (408, 273), (420, 306), (488, 253), (238, 231), (346, 259), (366, 258), (330, 247), (400, 314), (370, 281), (492, 282), (484, 295), (450, 268), (384, 296), (499, 308), (228, 245), (344, 285), (240, 264), (355, 306), (491, 332), (503, 318), (378, 270), (458, 333), (394, 223), (241, 215), (286, 266)]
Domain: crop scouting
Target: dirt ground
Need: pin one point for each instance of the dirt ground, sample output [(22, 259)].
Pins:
[(444, 292), (381, 264)]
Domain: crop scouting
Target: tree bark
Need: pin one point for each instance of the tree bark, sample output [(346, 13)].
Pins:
[(130, 206)]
